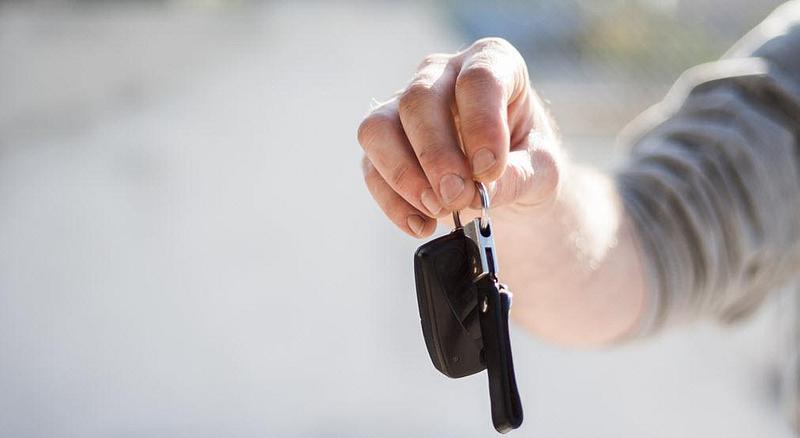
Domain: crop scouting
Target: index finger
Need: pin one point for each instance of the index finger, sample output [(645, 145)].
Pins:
[(492, 77)]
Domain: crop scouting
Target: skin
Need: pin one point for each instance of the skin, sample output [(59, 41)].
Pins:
[(567, 248)]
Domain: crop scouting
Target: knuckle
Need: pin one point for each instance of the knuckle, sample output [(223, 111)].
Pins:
[(374, 126), (396, 209), (492, 43), (500, 56), (479, 77), (433, 59), (414, 96), (398, 177), (433, 159), (485, 126)]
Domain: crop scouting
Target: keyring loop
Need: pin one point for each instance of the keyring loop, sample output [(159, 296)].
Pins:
[(485, 205), (483, 193)]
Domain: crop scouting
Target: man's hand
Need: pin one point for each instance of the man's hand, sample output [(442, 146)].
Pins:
[(568, 250), (463, 117)]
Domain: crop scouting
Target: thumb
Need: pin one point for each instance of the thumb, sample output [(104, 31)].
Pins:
[(532, 177)]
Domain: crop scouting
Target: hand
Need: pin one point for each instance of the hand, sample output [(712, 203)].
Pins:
[(463, 117), (568, 248)]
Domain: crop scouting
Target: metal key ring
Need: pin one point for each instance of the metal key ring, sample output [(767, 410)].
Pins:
[(485, 205)]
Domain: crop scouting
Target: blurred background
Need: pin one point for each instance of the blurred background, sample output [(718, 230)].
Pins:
[(187, 249)]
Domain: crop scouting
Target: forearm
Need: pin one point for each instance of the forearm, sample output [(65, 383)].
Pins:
[(573, 262), (709, 224)]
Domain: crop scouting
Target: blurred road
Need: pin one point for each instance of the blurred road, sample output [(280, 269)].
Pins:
[(186, 248)]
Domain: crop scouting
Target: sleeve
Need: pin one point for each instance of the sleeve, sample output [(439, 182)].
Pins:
[(712, 182)]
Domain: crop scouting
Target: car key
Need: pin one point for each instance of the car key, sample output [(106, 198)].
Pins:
[(464, 311), (448, 304)]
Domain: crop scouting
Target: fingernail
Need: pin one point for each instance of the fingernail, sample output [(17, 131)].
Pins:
[(431, 202), (451, 187), (482, 161), (416, 224)]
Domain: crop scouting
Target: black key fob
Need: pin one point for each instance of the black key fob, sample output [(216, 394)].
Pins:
[(448, 305), (464, 312)]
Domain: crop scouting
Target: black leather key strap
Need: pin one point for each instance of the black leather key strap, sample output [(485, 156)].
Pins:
[(494, 304)]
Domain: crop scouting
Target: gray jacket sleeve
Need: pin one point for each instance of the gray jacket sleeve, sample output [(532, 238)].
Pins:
[(712, 181)]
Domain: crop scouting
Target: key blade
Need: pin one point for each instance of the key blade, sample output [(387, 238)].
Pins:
[(484, 240)]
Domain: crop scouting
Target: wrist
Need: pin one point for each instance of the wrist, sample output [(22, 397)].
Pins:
[(571, 261)]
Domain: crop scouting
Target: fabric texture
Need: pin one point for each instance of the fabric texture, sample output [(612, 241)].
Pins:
[(713, 186), (713, 183)]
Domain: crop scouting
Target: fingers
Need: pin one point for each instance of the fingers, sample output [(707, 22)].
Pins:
[(425, 112), (493, 77), (463, 117), (388, 149), (399, 211)]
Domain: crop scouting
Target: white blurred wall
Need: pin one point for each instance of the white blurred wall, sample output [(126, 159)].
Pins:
[(186, 248)]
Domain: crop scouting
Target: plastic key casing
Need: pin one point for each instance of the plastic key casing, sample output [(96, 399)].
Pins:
[(448, 304)]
